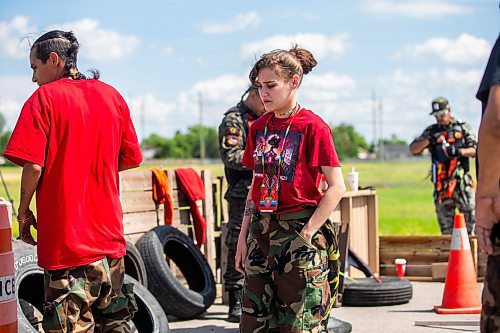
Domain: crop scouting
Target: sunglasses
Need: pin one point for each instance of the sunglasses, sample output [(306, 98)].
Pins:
[(440, 114)]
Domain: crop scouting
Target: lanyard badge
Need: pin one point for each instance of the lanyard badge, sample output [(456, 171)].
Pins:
[(268, 202), (269, 190)]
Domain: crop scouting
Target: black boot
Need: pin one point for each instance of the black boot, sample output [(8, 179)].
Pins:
[(234, 313)]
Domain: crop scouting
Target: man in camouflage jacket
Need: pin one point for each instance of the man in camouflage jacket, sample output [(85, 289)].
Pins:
[(232, 140), (451, 143)]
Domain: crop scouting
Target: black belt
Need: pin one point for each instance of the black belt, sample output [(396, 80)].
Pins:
[(301, 214)]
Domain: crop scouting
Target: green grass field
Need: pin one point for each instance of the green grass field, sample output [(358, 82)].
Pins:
[(404, 191)]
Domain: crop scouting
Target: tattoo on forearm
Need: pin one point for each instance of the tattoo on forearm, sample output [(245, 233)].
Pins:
[(23, 194), (249, 208)]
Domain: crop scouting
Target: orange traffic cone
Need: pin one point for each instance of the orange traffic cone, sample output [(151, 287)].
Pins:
[(460, 295)]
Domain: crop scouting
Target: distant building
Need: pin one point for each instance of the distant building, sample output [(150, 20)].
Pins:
[(398, 151)]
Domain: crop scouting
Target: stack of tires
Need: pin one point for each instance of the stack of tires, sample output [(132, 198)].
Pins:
[(147, 267)]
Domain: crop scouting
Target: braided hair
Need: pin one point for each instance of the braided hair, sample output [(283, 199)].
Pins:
[(65, 44)]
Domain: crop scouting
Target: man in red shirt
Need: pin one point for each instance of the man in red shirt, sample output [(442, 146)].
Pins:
[(72, 138)]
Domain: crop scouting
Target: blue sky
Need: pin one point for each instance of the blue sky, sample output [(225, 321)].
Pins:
[(163, 55)]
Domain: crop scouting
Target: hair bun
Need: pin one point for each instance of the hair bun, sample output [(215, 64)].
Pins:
[(305, 58)]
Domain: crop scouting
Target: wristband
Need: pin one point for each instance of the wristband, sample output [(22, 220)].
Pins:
[(26, 219)]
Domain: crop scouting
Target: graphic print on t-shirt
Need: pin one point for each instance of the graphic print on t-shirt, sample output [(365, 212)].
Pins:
[(269, 149)]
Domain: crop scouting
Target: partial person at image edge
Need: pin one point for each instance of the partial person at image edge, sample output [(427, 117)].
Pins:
[(72, 138), (488, 190)]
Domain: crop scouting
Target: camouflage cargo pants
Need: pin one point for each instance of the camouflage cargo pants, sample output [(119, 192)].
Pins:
[(233, 280), (287, 279), (90, 298), (463, 199), (490, 312)]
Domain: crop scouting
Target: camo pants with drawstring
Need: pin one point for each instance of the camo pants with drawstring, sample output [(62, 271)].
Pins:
[(89, 298), (290, 283)]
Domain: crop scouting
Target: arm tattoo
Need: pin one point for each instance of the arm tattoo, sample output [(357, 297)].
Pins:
[(23, 195), (249, 208)]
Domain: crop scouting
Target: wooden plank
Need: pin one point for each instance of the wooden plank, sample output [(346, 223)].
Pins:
[(411, 270), (223, 261), (439, 270), (414, 257), (132, 180), (208, 213), (373, 238), (358, 239), (224, 203), (144, 221), (134, 223), (360, 193), (415, 242)]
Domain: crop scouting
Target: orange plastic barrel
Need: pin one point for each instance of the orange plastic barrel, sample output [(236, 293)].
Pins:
[(8, 299)]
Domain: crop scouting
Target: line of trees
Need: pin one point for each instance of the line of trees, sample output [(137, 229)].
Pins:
[(348, 143)]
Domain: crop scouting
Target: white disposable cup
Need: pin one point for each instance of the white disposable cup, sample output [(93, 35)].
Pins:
[(353, 179)]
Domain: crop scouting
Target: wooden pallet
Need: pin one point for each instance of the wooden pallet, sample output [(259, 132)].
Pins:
[(426, 256), (140, 213)]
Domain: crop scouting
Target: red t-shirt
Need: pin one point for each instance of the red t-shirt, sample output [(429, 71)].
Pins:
[(307, 146), (79, 131)]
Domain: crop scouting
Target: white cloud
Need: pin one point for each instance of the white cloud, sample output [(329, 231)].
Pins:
[(321, 46), (338, 98), (236, 23), (168, 51), (11, 37), (407, 97), (466, 49), (166, 117), (423, 9), (14, 91), (98, 44), (328, 87)]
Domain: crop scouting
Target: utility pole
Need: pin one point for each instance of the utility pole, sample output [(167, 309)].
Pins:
[(381, 133), (143, 121), (374, 121), (202, 131)]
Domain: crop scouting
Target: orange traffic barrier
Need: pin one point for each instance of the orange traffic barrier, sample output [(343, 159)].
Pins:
[(8, 299), (461, 295)]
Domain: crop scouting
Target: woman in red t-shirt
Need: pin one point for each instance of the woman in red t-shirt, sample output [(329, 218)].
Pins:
[(286, 238)]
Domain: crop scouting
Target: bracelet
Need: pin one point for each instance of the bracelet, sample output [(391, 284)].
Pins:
[(26, 219)]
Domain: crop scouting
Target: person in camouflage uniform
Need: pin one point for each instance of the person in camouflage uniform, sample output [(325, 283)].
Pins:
[(488, 190), (451, 142), (287, 246), (233, 132)]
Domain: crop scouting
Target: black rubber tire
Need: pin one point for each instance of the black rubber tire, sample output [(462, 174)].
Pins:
[(134, 265), (367, 292), (174, 297), (150, 316), (338, 326), (29, 284)]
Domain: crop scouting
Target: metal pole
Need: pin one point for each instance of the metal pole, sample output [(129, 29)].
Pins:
[(381, 132), (374, 113), (202, 131)]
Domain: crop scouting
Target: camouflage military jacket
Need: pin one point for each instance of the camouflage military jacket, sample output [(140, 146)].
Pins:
[(233, 133), (457, 133)]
